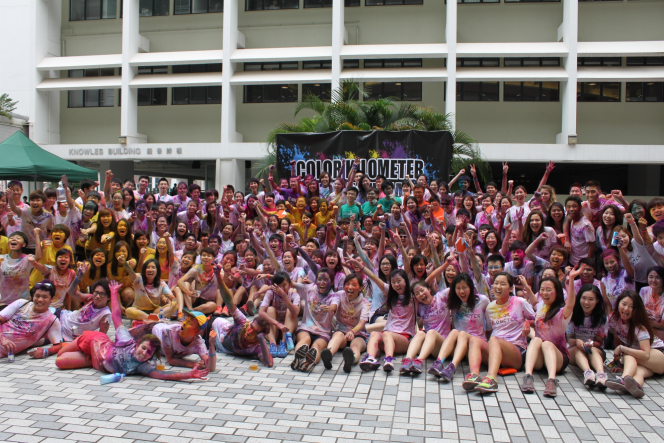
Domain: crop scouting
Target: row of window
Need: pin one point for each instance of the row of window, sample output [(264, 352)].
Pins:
[(106, 9), (402, 91)]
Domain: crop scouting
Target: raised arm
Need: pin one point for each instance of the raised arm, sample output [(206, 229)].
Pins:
[(312, 265), (116, 310), (571, 293), (473, 172), (369, 273), (503, 188), (270, 254), (547, 172)]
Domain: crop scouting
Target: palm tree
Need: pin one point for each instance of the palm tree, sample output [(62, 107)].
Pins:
[(346, 112)]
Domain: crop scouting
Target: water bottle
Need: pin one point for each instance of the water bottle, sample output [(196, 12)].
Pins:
[(161, 314), (111, 378), (62, 193), (10, 357), (74, 332), (289, 341)]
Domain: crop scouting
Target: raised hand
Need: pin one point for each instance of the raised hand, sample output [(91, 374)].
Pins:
[(473, 171), (550, 166), (505, 168)]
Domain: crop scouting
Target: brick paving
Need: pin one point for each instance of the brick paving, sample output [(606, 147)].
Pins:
[(40, 403)]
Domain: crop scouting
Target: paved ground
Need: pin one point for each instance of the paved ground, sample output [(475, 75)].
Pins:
[(39, 403)]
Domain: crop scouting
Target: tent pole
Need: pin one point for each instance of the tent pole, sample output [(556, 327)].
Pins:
[(35, 182)]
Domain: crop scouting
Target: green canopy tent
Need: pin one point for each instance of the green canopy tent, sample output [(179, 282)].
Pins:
[(24, 160)]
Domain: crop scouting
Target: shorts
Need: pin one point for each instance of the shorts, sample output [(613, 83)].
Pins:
[(406, 335), (376, 317), (199, 301), (84, 342), (314, 337), (523, 356), (565, 363)]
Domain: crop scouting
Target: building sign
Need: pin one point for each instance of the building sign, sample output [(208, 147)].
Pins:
[(123, 151)]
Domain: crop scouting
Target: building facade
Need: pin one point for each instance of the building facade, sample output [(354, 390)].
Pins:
[(192, 87)]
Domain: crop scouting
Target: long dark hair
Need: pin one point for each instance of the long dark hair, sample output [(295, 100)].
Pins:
[(417, 208), (157, 278), (128, 237), (92, 271), (639, 319), (392, 295), (338, 267), (363, 192), (598, 316), (416, 260), (559, 302), (330, 273), (619, 221), (104, 212), (132, 204), (135, 252), (114, 259), (550, 222), (453, 300), (485, 247)]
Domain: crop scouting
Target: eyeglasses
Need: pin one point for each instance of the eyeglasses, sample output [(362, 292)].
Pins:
[(493, 268), (43, 285), (99, 294)]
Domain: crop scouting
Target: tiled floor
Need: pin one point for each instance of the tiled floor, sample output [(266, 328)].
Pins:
[(39, 403)]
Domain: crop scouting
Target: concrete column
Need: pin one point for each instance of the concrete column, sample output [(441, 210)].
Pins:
[(45, 116), (338, 38), (229, 94), (643, 180), (124, 170), (230, 172), (130, 43), (451, 40), (568, 33)]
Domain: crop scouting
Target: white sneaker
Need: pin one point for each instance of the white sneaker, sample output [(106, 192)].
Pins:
[(589, 378)]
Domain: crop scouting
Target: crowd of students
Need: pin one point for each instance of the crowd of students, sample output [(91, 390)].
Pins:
[(317, 267)]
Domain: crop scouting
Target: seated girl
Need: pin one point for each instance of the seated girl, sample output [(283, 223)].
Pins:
[(280, 308), (152, 295)]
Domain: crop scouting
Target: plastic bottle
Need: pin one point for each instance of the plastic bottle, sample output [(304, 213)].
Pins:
[(111, 378), (74, 332), (161, 314), (289, 341), (62, 193), (10, 357)]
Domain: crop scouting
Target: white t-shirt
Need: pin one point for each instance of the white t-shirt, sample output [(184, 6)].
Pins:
[(24, 327), (88, 318), (168, 334)]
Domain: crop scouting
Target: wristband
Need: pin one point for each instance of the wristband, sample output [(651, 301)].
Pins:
[(45, 355)]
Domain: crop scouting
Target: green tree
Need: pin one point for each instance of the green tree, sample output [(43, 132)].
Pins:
[(7, 105), (346, 112)]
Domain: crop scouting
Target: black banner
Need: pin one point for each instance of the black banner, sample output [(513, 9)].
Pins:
[(393, 154)]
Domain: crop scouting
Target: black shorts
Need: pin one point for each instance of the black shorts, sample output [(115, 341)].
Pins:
[(523, 356), (199, 301), (565, 363)]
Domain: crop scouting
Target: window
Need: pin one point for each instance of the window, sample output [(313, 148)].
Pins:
[(260, 5), (272, 66), (321, 90), (477, 1), (477, 91), (529, 1), (645, 92), (531, 92), (401, 91), (394, 63), (532, 61), (93, 98), (392, 2), (92, 9), (645, 61), (327, 64), (152, 96), (196, 95), (599, 61), (598, 92), (478, 62), (270, 93), (197, 6), (328, 3)]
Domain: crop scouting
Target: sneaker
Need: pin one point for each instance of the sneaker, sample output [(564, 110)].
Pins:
[(273, 350), (617, 384), (416, 366), (349, 359), (299, 356), (224, 312), (326, 356), (309, 360), (448, 372), (406, 366), (487, 385), (436, 368), (243, 310), (550, 388), (471, 381), (265, 357), (589, 378), (633, 387), (388, 364), (369, 363), (600, 380), (250, 308), (528, 386), (281, 350), (180, 317)]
